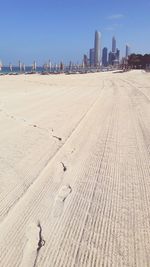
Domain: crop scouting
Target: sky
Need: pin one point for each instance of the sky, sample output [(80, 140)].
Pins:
[(63, 30)]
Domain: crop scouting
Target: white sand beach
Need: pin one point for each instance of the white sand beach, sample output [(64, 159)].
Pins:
[(75, 170)]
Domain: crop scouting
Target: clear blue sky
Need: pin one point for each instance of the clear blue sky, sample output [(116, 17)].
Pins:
[(64, 29)]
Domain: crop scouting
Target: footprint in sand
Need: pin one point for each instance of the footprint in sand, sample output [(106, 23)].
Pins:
[(63, 193), (33, 245)]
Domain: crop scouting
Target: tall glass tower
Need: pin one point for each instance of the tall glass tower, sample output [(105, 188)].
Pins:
[(91, 55), (104, 56), (127, 50), (114, 44), (97, 49)]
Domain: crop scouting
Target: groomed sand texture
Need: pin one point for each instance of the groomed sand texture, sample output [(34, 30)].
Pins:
[(75, 170)]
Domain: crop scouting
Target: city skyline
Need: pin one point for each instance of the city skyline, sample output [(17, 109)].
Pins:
[(97, 55), (46, 30), (101, 56)]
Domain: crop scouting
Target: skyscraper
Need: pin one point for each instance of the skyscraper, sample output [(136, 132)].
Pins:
[(97, 54), (91, 56), (85, 60), (104, 57), (113, 44), (127, 50), (117, 54), (111, 58)]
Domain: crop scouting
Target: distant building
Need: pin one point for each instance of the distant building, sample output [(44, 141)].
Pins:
[(111, 58), (113, 44), (85, 60), (104, 57), (114, 57), (117, 54), (127, 50), (97, 49), (91, 56)]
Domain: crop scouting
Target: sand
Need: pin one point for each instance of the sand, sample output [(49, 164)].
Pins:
[(74, 170)]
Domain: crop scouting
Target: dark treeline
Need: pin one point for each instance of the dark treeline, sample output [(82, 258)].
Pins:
[(139, 61)]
